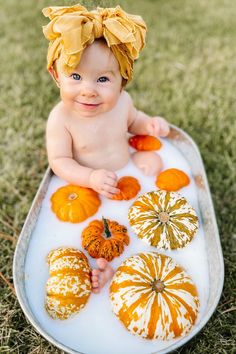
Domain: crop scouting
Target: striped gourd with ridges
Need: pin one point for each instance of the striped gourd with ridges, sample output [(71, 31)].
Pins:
[(154, 297), (163, 219), (69, 285)]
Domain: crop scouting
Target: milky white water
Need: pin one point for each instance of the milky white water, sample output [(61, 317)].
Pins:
[(96, 330)]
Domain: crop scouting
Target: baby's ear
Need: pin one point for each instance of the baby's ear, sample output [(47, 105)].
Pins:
[(123, 84), (54, 75)]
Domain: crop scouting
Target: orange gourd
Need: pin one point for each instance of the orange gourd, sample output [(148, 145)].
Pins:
[(145, 142), (75, 203), (104, 239), (69, 286), (172, 179), (154, 297), (129, 188)]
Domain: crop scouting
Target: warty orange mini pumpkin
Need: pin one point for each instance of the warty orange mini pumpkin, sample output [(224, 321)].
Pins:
[(154, 297), (172, 179), (129, 188), (163, 219), (75, 203), (145, 143), (69, 286), (104, 239)]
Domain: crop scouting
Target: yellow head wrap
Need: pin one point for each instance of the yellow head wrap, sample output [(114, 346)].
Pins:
[(73, 28)]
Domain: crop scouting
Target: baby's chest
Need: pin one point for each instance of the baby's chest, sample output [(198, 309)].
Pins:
[(94, 135)]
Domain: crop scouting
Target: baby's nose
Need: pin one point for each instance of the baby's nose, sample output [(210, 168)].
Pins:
[(88, 92)]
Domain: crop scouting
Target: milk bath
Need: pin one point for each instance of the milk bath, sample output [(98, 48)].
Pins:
[(96, 330)]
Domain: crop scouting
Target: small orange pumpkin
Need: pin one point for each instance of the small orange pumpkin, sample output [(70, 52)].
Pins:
[(74, 203), (145, 142), (129, 188), (172, 180), (104, 239)]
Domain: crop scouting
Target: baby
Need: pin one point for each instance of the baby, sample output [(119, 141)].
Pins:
[(91, 57)]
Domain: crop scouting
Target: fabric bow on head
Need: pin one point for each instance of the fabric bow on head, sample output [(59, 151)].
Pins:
[(73, 28)]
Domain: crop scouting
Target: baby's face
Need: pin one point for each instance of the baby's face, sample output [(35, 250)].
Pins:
[(95, 86)]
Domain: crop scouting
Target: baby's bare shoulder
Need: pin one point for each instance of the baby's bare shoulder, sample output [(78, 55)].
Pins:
[(126, 98), (126, 103), (130, 108), (57, 121), (57, 114)]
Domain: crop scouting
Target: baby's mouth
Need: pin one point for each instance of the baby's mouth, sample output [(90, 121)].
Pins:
[(88, 104)]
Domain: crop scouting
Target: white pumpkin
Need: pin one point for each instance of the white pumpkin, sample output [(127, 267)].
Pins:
[(163, 219)]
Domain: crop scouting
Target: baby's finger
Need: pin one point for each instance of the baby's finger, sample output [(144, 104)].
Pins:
[(106, 194), (112, 175), (94, 278), (96, 290), (155, 130), (150, 129), (164, 126), (164, 129), (110, 189), (111, 182)]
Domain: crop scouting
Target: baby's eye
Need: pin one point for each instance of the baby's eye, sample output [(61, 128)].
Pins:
[(76, 76), (103, 79)]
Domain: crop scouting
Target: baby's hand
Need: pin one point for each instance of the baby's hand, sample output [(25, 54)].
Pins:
[(104, 182), (157, 126)]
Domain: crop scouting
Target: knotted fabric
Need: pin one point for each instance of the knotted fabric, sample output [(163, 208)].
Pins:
[(73, 28)]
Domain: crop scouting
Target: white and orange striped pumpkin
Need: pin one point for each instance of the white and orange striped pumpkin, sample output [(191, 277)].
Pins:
[(163, 219), (69, 285), (154, 297)]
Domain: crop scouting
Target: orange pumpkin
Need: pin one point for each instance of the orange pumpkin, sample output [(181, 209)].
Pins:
[(154, 297), (172, 179), (129, 188), (69, 286), (74, 203), (145, 142), (104, 239)]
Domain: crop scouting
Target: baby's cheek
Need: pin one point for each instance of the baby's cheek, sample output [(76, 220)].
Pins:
[(67, 93), (112, 99)]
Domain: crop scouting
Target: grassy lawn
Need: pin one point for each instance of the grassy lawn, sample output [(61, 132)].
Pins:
[(187, 73)]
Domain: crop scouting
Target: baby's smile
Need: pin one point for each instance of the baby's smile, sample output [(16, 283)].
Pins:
[(88, 106)]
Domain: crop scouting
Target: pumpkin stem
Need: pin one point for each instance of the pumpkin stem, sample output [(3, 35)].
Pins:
[(158, 286), (107, 232), (164, 217), (72, 196)]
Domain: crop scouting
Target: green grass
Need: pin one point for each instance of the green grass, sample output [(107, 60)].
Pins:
[(187, 73)]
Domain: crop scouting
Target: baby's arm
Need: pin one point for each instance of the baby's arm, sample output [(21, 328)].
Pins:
[(142, 124), (60, 158)]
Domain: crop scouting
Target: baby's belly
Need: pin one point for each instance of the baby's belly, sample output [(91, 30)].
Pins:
[(110, 159)]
